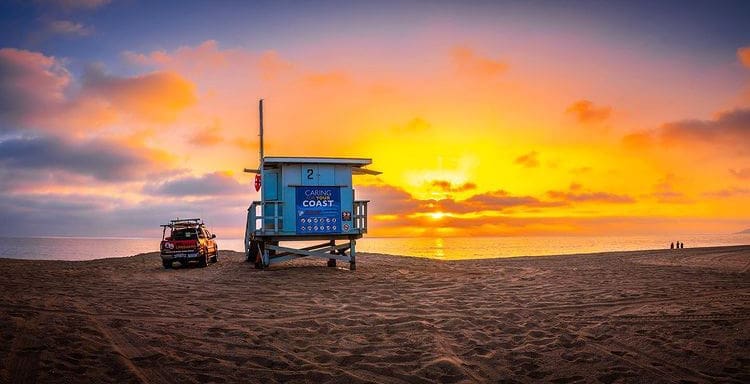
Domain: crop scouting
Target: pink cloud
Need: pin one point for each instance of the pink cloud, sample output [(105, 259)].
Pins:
[(75, 4), (67, 27), (30, 82), (101, 159), (209, 185), (730, 129), (272, 65), (208, 57)]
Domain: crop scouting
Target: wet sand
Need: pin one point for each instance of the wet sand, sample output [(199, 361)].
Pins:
[(648, 316)]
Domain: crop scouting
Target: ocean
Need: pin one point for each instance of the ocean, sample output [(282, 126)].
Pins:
[(447, 248)]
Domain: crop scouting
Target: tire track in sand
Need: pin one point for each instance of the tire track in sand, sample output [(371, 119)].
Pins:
[(647, 362), (129, 353), (23, 359)]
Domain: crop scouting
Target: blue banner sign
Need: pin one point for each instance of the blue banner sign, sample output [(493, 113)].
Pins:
[(318, 210)]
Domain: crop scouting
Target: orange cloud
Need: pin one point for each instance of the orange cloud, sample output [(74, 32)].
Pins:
[(468, 61), (415, 125), (743, 173), (394, 203), (546, 225), (638, 140), (500, 199), (529, 160), (246, 144), (157, 96), (332, 78), (600, 197), (587, 112), (743, 54), (208, 136), (447, 186), (728, 192), (580, 170), (665, 191)]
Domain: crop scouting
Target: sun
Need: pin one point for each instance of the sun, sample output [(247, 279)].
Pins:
[(437, 215)]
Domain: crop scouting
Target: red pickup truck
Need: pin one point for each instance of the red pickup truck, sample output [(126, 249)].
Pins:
[(188, 240)]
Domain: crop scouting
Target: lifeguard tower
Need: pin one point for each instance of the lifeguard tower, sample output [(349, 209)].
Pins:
[(309, 199)]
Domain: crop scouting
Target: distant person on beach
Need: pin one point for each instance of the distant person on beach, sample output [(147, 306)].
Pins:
[(682, 245), (671, 245)]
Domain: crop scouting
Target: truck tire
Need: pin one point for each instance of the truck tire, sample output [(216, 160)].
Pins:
[(215, 257), (167, 264)]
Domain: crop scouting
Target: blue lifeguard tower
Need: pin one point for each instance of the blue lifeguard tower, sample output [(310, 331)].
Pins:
[(305, 199)]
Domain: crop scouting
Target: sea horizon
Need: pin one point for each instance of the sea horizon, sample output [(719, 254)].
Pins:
[(74, 248)]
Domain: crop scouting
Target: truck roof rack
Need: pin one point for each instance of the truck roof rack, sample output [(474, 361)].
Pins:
[(183, 222)]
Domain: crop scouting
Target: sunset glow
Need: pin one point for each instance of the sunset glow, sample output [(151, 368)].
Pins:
[(490, 119)]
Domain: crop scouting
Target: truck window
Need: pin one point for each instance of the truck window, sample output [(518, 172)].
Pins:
[(185, 234)]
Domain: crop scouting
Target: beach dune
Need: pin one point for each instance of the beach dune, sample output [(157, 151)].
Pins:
[(647, 316)]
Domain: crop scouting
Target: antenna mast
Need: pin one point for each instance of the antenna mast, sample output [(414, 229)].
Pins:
[(260, 109)]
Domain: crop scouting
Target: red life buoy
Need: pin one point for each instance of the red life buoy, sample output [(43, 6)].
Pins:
[(257, 182)]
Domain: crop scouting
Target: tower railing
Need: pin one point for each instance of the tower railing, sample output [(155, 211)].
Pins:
[(261, 221), (360, 215)]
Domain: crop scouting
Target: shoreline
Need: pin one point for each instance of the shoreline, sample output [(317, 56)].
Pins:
[(365, 254)]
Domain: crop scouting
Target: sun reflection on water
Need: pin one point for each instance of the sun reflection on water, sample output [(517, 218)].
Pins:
[(439, 248)]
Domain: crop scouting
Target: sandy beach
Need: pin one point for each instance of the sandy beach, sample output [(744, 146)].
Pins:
[(648, 316)]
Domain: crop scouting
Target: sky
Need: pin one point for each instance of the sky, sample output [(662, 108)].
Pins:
[(487, 118)]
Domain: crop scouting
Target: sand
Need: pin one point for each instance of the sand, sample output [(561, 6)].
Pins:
[(650, 316)]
